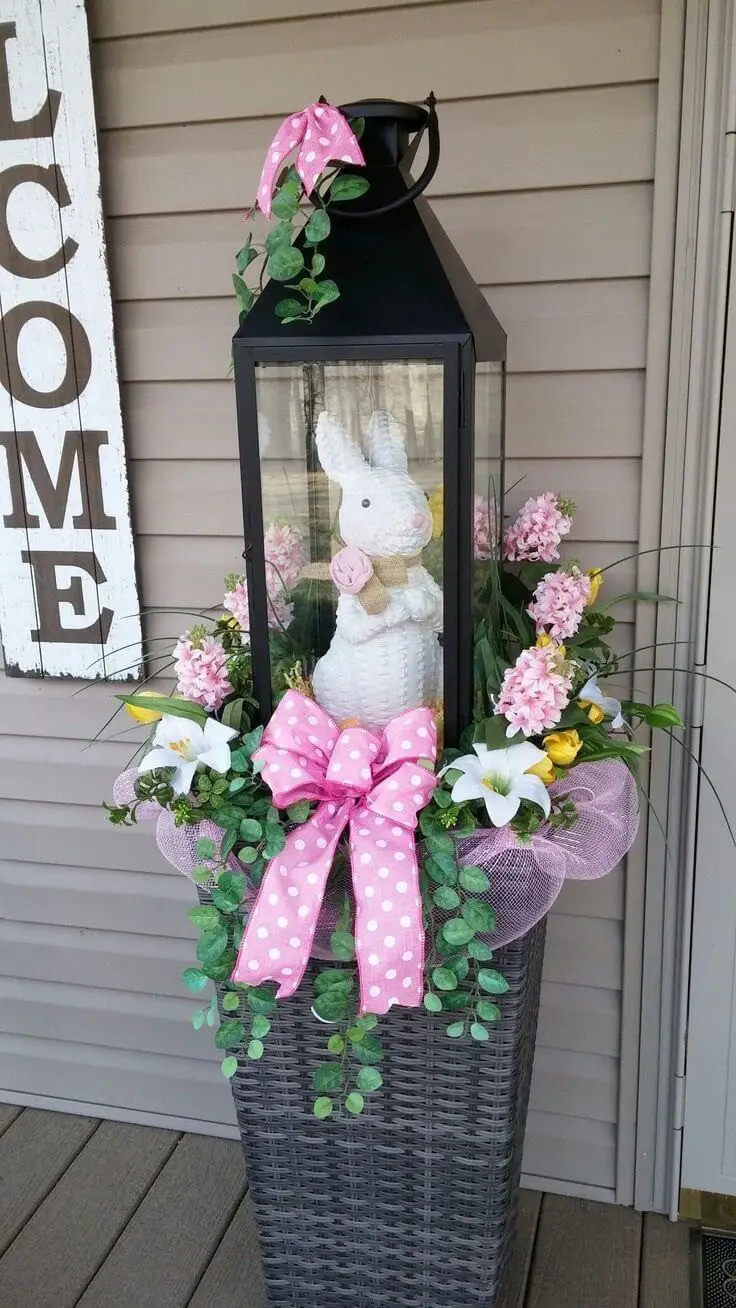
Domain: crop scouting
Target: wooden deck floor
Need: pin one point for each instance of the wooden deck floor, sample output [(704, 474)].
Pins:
[(109, 1215)]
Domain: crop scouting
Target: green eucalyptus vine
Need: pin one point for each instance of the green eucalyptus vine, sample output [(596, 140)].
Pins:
[(300, 267)]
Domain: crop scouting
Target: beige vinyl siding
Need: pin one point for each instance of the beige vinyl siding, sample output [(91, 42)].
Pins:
[(545, 184)]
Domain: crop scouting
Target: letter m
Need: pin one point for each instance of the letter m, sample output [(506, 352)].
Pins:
[(81, 450)]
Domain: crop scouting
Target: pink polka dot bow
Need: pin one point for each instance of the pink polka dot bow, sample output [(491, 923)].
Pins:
[(321, 133), (375, 784)]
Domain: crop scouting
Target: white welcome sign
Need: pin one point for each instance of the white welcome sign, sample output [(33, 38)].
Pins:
[(68, 596)]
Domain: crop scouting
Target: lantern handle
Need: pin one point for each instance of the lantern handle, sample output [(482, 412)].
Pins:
[(432, 126)]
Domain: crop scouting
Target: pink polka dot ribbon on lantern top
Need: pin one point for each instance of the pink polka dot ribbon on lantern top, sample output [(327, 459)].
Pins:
[(376, 784), (319, 133)]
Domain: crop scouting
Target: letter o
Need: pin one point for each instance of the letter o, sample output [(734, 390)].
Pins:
[(76, 347)]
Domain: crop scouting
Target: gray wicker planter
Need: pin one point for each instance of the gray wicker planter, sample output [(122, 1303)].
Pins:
[(413, 1204)]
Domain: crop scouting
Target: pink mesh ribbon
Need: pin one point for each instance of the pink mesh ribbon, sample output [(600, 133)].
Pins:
[(321, 133), (375, 784)]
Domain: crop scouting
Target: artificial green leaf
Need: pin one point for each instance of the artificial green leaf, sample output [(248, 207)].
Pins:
[(244, 294), (355, 1103), (286, 201), (229, 1034), (205, 848), (332, 1004), (357, 126), (333, 976), (250, 829), (225, 903), (367, 1052), (444, 978), (169, 704), (318, 227), (492, 981), (260, 1026), (348, 186), (478, 1031), (456, 1000), (336, 1044), (488, 1011), (245, 256), (298, 812), (318, 264), (212, 945), (228, 843), (432, 1002), (455, 1030), (220, 971), (255, 1049), (232, 883), (369, 1021), (479, 915), (328, 1076), (278, 238), (322, 1107), (261, 1001), (355, 1034), (285, 263), (236, 785), (446, 897), (663, 715), (479, 950), (327, 291), (275, 840), (201, 875), (230, 1002), (460, 966), (369, 1079), (475, 880), (289, 308), (457, 931), (206, 917), (342, 944), (229, 1066), (247, 854), (444, 876), (239, 760), (198, 1019)]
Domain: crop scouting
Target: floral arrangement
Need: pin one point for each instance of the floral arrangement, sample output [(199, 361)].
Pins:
[(298, 195), (259, 817)]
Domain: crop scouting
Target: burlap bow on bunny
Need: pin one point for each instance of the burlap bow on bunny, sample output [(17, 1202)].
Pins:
[(368, 579)]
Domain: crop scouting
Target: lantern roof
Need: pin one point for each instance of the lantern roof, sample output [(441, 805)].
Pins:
[(401, 280)]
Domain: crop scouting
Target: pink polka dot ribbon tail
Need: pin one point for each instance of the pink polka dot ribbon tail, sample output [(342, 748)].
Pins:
[(376, 785), (319, 133)]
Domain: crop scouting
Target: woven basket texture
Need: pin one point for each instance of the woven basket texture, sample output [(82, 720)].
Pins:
[(412, 1204)]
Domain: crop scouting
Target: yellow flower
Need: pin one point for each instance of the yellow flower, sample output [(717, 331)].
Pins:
[(230, 621), (143, 715), (596, 581), (595, 712), (563, 747), (545, 770), (544, 640), (436, 504)]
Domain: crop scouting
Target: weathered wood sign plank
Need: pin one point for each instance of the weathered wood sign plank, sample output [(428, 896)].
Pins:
[(68, 596)]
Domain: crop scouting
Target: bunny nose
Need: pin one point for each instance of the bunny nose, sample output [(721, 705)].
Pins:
[(418, 520)]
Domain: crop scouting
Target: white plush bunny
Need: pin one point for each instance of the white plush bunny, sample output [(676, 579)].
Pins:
[(385, 656)]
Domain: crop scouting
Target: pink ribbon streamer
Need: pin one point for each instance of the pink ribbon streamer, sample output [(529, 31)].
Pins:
[(321, 133), (377, 786)]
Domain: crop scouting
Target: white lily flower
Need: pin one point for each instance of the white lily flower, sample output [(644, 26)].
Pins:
[(501, 778), (611, 707), (186, 746)]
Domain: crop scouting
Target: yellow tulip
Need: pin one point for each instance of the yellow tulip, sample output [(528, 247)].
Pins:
[(563, 747), (595, 712), (436, 504), (596, 581), (545, 770), (144, 715)]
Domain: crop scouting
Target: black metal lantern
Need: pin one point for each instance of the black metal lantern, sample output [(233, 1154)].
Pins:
[(378, 428)]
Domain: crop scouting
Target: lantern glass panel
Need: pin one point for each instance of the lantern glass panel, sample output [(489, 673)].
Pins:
[(490, 384), (372, 482)]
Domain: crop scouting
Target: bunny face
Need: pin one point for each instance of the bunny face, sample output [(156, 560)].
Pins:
[(382, 511)]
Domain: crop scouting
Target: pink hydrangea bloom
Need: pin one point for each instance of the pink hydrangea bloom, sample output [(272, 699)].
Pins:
[(283, 546), (201, 667), (536, 534), (558, 603), (484, 528), (535, 691), (236, 601), (280, 612)]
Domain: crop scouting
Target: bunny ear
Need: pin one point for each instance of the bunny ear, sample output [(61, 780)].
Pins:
[(384, 442), (339, 456)]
